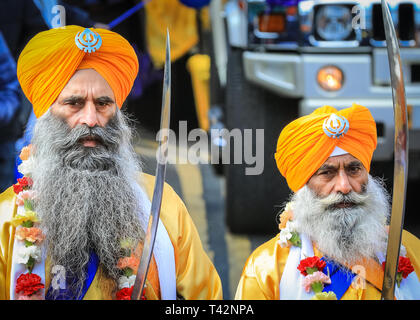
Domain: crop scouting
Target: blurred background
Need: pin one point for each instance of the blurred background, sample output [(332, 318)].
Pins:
[(236, 64)]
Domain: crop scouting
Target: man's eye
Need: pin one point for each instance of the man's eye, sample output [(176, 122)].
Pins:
[(354, 170), (73, 103), (103, 104), (325, 172)]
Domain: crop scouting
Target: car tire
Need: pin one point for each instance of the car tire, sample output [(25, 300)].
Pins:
[(254, 201)]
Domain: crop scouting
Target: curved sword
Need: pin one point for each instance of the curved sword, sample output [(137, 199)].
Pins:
[(400, 156), (162, 155)]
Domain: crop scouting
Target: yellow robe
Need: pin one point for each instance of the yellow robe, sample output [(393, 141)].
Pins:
[(260, 279), (196, 277)]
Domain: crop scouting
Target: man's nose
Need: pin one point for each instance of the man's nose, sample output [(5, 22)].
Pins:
[(343, 184), (89, 116)]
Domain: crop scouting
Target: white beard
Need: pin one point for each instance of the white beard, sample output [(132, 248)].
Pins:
[(345, 235), (85, 196)]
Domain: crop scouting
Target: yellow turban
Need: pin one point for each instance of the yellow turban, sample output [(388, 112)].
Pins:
[(51, 58), (306, 143)]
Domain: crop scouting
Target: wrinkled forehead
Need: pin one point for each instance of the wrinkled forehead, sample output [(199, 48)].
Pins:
[(341, 161), (85, 83)]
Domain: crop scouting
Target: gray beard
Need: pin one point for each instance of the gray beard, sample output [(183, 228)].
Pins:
[(85, 196), (345, 235)]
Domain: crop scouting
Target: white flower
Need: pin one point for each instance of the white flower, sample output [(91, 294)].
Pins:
[(126, 282), (26, 167), (286, 234), (25, 253), (289, 206)]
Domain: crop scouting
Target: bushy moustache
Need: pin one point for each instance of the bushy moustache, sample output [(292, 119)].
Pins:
[(338, 199), (77, 156), (344, 234)]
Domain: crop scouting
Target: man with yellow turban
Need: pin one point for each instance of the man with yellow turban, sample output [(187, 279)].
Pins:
[(73, 226), (333, 232)]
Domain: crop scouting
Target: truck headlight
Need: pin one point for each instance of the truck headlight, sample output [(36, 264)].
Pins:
[(330, 78), (333, 22)]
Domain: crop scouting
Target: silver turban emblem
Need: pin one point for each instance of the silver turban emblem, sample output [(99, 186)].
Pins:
[(88, 41), (335, 126)]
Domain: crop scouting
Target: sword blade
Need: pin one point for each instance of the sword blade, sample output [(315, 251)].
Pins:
[(400, 154), (162, 155)]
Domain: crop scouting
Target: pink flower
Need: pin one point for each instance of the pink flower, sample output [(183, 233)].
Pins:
[(315, 281), (131, 262), (39, 295), (30, 234), (24, 195)]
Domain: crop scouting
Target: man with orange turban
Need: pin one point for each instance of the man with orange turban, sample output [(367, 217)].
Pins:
[(74, 225), (333, 232)]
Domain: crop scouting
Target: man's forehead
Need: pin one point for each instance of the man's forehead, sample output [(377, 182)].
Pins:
[(87, 81), (341, 160)]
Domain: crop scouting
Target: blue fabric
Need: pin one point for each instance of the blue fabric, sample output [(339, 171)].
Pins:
[(196, 4), (66, 294), (283, 2), (9, 85), (341, 278), (45, 7), (126, 15), (9, 110)]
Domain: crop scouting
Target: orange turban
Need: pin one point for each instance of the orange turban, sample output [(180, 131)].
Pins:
[(51, 58), (306, 143)]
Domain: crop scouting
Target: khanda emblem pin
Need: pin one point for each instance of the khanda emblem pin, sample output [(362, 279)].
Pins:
[(335, 126), (88, 41)]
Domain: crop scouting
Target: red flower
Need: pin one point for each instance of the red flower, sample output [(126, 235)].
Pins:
[(311, 265), (125, 294), (25, 182), (404, 266), (29, 283), (17, 188)]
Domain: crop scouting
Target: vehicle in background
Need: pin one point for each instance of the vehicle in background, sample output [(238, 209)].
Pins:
[(276, 60)]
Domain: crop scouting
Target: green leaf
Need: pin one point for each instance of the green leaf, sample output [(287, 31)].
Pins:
[(398, 278), (28, 243), (30, 264), (317, 286), (128, 272), (295, 239), (27, 224), (28, 205), (311, 270)]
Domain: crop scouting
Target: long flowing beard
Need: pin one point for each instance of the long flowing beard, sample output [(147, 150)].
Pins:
[(345, 235), (85, 196)]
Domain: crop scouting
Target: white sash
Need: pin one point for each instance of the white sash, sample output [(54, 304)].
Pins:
[(291, 287), (163, 252)]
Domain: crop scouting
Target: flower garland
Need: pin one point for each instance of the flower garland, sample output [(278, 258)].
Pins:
[(26, 222), (312, 267), (128, 264), (288, 235)]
